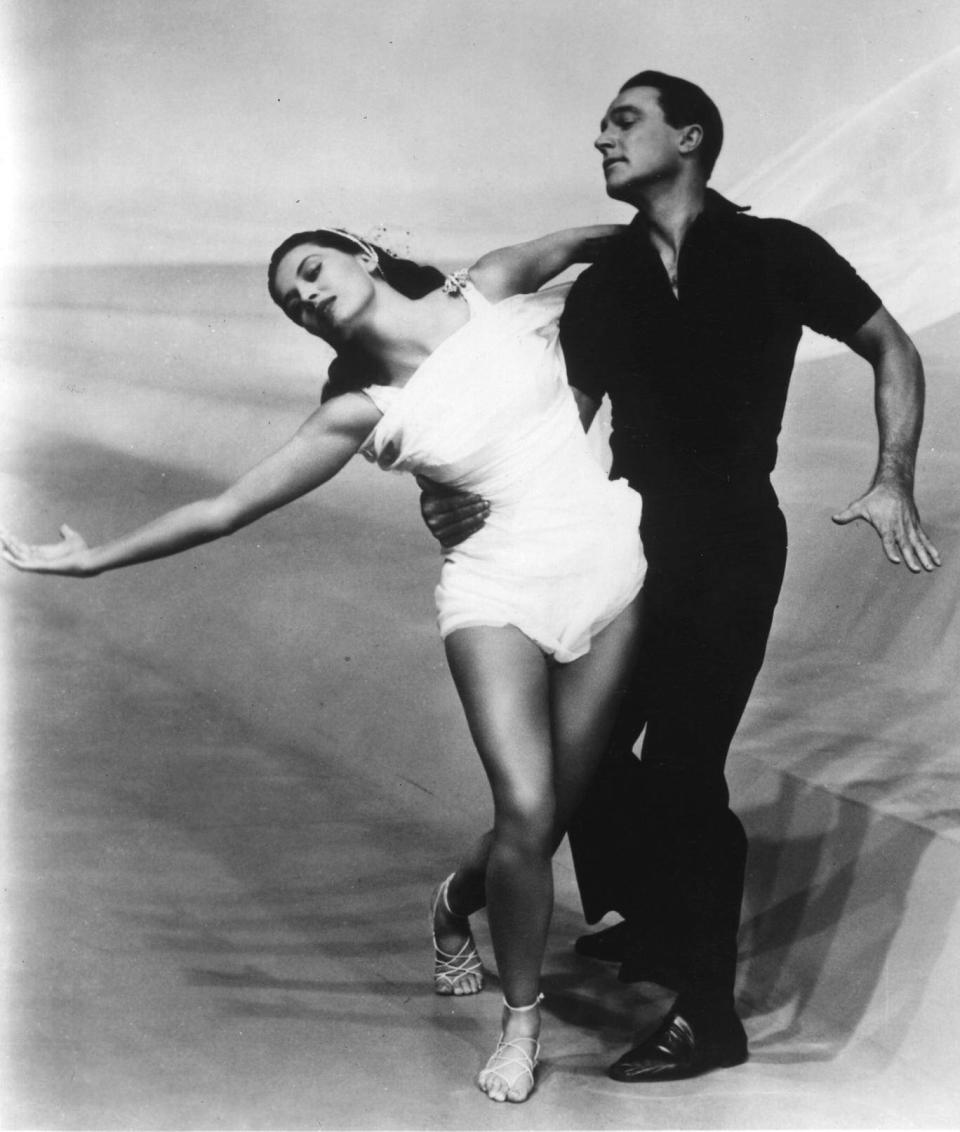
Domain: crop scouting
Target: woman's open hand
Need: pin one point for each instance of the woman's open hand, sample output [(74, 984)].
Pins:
[(69, 556)]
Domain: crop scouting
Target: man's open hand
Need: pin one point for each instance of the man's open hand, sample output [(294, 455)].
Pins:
[(891, 512), (451, 516)]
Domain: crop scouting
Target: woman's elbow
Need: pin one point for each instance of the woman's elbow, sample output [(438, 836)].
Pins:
[(222, 516)]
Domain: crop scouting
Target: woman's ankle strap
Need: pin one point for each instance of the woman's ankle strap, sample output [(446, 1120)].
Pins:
[(444, 889), (521, 1009)]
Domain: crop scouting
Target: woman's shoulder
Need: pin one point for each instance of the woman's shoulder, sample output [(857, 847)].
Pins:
[(473, 283), (490, 278), (353, 411)]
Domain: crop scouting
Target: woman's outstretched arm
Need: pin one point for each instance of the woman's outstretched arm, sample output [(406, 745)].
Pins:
[(319, 449), (524, 268)]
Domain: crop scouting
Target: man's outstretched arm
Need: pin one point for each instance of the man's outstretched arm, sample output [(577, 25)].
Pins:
[(888, 505)]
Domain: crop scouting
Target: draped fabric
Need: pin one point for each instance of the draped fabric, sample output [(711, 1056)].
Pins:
[(490, 412)]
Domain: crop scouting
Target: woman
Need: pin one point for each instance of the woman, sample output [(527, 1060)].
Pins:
[(538, 611)]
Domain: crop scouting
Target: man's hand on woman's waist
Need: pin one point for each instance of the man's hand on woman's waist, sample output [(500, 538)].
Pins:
[(451, 516)]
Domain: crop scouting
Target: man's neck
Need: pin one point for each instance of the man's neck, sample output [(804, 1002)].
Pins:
[(669, 210)]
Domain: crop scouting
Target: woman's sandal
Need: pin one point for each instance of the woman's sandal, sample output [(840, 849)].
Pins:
[(450, 971), (511, 1062)]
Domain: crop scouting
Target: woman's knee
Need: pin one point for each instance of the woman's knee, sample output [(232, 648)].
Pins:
[(525, 823)]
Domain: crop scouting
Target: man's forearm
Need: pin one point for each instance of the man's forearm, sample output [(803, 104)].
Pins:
[(888, 505), (899, 398)]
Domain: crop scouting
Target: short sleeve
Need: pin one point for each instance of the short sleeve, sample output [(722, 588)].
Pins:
[(832, 298), (383, 396), (379, 447)]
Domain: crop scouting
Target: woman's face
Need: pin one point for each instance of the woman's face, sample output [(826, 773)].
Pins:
[(323, 289)]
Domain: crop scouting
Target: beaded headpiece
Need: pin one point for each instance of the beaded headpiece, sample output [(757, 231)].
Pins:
[(362, 244)]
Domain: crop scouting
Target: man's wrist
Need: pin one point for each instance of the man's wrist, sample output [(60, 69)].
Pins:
[(896, 472)]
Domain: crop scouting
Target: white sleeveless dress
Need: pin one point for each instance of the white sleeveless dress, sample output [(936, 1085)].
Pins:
[(490, 412)]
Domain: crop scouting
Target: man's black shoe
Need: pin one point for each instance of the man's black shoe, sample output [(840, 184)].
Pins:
[(675, 1051), (610, 944)]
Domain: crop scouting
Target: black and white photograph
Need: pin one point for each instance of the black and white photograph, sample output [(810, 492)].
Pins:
[(479, 558)]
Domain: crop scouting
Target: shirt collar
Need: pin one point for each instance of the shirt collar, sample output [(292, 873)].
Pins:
[(716, 205), (717, 211)]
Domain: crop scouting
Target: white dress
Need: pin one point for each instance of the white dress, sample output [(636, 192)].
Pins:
[(490, 412)]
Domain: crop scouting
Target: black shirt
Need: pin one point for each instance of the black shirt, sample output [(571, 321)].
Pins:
[(698, 382)]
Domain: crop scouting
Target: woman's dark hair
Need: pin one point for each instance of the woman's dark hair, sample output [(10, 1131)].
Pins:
[(414, 280), (685, 104), (404, 275)]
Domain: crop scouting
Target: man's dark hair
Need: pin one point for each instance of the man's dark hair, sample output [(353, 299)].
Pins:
[(685, 104)]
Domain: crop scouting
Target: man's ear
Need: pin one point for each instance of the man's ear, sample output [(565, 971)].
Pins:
[(691, 138)]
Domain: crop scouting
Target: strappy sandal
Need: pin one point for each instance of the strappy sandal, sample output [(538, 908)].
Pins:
[(511, 1062), (449, 971)]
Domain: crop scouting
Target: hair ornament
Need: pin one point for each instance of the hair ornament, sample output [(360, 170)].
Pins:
[(365, 246)]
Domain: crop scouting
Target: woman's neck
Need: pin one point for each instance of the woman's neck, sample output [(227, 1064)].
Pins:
[(401, 333)]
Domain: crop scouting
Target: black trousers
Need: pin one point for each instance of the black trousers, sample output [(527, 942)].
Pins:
[(655, 838)]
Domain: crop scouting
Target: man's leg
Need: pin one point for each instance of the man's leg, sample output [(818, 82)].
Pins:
[(679, 883), (599, 845)]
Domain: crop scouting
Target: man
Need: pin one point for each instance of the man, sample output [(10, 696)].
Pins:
[(690, 324)]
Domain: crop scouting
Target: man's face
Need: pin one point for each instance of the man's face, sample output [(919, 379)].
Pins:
[(638, 146)]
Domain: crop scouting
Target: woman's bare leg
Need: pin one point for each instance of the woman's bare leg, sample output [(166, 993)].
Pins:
[(584, 698), (503, 681), (465, 894), (584, 702), (468, 889), (502, 678)]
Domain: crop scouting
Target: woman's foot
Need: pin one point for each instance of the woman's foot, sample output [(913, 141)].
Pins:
[(509, 1074), (456, 963)]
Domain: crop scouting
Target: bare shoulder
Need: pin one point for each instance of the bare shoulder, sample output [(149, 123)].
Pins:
[(350, 415), (494, 276)]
